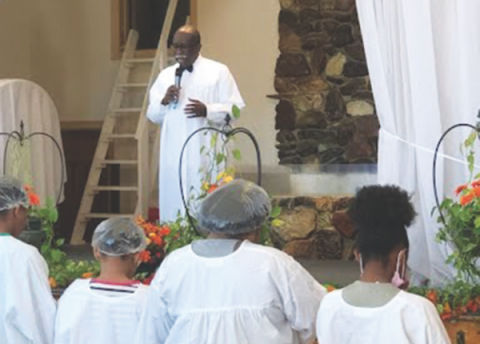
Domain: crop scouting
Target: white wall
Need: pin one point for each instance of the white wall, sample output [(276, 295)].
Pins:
[(243, 34)]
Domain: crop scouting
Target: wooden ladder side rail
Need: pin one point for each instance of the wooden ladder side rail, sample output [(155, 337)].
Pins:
[(102, 146), (148, 161)]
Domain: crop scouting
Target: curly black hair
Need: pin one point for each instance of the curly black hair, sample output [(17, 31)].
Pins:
[(381, 215)]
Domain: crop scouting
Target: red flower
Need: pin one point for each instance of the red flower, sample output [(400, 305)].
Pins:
[(432, 296), (465, 199), (148, 280), (472, 306), (212, 188), (476, 183), (153, 214), (165, 231), (145, 256), (460, 189), (33, 198)]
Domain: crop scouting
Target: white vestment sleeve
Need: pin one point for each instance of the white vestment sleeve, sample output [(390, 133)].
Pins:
[(156, 111), (301, 297), (32, 310), (435, 329), (229, 95), (155, 324)]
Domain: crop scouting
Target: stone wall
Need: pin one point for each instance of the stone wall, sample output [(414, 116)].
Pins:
[(325, 113), (315, 228)]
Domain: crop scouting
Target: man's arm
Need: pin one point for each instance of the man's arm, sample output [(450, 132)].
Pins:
[(229, 95), (156, 110)]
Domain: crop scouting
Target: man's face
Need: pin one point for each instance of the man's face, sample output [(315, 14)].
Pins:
[(186, 49)]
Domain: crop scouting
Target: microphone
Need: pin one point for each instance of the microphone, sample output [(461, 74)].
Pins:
[(178, 79)]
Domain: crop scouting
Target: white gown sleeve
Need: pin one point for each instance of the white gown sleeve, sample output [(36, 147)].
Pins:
[(155, 323), (156, 111), (32, 311), (302, 295), (435, 330), (229, 95)]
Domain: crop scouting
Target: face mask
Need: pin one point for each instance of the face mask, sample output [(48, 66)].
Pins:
[(399, 280)]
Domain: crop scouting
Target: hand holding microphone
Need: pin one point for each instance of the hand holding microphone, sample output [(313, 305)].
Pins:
[(173, 92)]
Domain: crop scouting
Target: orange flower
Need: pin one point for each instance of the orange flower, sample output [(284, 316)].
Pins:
[(158, 241), (330, 288), (87, 275), (212, 188), (447, 308), (28, 188), (465, 199), (476, 191), (165, 231), (33, 198), (145, 256), (52, 282), (460, 189), (432, 296)]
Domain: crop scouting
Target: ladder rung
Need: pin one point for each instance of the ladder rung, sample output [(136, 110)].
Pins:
[(134, 85), (145, 60), (126, 110), (107, 216), (118, 162), (115, 188), (120, 136)]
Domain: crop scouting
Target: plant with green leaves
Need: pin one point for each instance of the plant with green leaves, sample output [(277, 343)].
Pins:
[(462, 221)]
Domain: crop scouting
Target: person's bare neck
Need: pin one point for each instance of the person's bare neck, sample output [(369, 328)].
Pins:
[(376, 271), (114, 274)]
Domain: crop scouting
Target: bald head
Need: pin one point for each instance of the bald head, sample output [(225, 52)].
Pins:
[(192, 32), (187, 45)]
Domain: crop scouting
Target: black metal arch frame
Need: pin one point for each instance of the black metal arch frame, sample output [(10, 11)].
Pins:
[(226, 132), (21, 137)]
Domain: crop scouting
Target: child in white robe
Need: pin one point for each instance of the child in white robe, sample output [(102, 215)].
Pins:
[(27, 308), (375, 309), (227, 289), (106, 309)]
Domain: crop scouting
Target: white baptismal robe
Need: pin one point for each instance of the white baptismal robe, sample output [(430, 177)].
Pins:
[(406, 319), (211, 83), (27, 308), (254, 295), (86, 316)]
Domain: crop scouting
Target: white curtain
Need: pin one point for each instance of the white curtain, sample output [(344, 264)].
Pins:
[(40, 163), (424, 62)]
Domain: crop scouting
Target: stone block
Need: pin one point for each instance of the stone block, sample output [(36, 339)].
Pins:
[(328, 244), (333, 156), (311, 85), (335, 65), (342, 203), (287, 4), (356, 51), (324, 204), (321, 136), (298, 223), (335, 106), (300, 248), (285, 136), (360, 108), (330, 26), (343, 35), (285, 85), (319, 61), (315, 40), (309, 15), (354, 69), (292, 65), (359, 148), (346, 130), (343, 224), (345, 5), (311, 119), (286, 116), (324, 220), (287, 20), (367, 125), (290, 43), (306, 148)]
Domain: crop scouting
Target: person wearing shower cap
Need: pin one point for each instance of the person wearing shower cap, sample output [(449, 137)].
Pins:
[(27, 308), (106, 309), (227, 288)]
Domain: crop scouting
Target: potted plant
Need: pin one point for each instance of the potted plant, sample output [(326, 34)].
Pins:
[(459, 302)]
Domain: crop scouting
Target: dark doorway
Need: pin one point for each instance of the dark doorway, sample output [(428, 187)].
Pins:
[(147, 17)]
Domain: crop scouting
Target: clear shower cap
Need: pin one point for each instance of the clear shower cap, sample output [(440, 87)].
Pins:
[(236, 208), (119, 237), (12, 193)]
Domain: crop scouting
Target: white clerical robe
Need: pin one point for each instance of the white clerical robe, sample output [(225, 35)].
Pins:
[(256, 295), (27, 308), (87, 316), (407, 318), (211, 83)]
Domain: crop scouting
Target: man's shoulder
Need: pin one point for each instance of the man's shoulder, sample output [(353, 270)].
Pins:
[(213, 64)]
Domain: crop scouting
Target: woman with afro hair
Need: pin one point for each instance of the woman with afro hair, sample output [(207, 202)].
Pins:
[(376, 309)]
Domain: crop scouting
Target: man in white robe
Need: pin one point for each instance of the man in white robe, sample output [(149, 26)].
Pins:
[(206, 96), (27, 308)]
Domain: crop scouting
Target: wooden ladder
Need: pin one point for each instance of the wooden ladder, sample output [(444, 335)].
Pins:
[(121, 115)]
